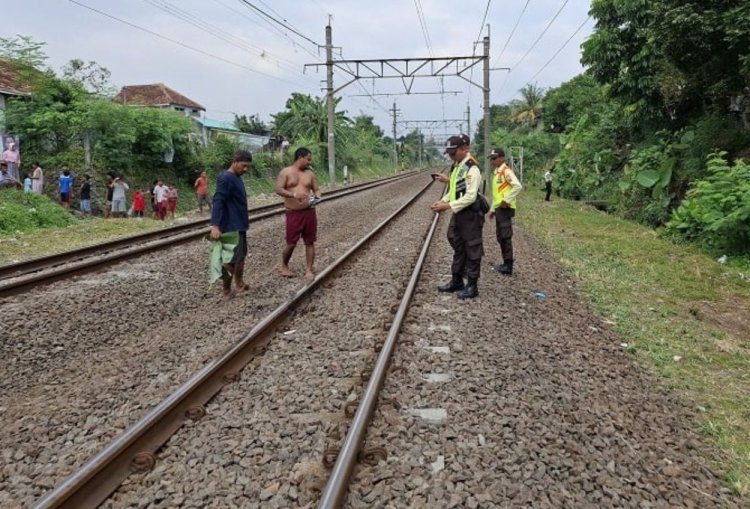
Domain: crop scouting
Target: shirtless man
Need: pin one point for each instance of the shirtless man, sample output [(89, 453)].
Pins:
[(297, 185)]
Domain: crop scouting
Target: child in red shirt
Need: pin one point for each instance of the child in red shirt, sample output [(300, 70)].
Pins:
[(139, 203)]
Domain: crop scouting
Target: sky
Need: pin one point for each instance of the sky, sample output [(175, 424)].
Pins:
[(243, 62)]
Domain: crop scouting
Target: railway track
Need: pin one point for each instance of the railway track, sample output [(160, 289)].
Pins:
[(135, 449), (22, 276)]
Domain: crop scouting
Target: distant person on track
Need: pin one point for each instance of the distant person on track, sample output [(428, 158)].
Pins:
[(139, 202), (505, 189), (85, 196), (548, 184), (229, 214), (160, 197), (467, 220), (201, 191), (152, 193), (65, 187), (299, 188), (37, 178), (119, 199)]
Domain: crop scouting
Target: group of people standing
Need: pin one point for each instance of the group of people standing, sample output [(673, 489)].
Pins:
[(469, 208), (299, 188)]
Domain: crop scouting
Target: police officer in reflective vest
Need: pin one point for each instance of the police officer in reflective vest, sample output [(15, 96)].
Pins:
[(505, 188), (465, 228)]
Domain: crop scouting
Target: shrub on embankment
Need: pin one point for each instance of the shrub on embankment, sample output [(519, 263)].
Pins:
[(27, 212)]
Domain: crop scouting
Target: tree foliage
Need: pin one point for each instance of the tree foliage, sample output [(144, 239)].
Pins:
[(251, 124)]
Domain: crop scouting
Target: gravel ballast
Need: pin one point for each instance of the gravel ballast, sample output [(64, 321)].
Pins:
[(84, 358)]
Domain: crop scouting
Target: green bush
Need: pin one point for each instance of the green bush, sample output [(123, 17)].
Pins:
[(27, 212), (716, 212)]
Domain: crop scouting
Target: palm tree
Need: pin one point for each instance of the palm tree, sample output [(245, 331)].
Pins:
[(530, 106), (307, 117)]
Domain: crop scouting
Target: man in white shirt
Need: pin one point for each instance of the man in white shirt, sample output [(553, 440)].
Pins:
[(160, 193), (119, 207), (548, 183)]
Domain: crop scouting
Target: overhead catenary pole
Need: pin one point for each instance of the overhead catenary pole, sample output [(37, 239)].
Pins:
[(468, 120), (486, 90), (421, 142), (395, 151), (330, 105)]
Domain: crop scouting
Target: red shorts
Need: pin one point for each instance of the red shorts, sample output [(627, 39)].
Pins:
[(301, 223), (172, 203)]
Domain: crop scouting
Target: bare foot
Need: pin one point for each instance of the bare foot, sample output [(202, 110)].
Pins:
[(309, 276), (227, 295), (241, 289), (285, 272)]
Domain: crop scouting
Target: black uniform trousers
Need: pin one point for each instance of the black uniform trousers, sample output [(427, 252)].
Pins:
[(465, 237), (548, 186), (504, 231)]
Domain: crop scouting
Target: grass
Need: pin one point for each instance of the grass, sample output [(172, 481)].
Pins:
[(679, 310)]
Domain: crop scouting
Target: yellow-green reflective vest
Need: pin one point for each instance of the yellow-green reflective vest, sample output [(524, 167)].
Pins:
[(501, 187)]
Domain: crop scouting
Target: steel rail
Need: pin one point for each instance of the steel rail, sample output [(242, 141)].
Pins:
[(24, 267), (92, 262), (99, 477), (338, 482)]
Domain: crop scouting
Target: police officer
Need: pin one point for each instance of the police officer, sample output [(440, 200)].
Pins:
[(465, 228), (505, 188)]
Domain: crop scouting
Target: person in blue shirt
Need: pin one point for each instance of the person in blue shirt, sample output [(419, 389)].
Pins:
[(65, 186), (229, 214), (26, 183)]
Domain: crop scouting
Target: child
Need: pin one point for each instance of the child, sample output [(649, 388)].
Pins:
[(26, 183), (85, 200), (139, 202), (172, 200)]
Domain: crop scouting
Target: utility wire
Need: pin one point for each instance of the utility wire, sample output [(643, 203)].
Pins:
[(514, 67), (540, 35), (559, 50), (278, 22), (221, 34), (180, 43), (511, 33)]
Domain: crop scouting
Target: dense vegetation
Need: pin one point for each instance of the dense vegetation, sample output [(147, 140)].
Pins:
[(27, 212), (658, 124)]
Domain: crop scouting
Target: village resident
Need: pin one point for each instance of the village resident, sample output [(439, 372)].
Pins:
[(160, 196), (171, 199), (6, 179), (119, 199), (85, 195), (37, 178), (12, 157), (299, 188), (65, 187), (201, 191), (229, 214), (139, 202)]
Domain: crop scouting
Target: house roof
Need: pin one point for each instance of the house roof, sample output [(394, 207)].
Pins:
[(209, 123), (12, 81), (156, 94)]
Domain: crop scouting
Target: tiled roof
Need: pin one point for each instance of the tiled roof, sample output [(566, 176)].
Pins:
[(11, 80), (157, 94)]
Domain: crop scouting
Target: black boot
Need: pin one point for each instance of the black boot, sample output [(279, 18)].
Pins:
[(505, 268), (470, 291), (456, 284)]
